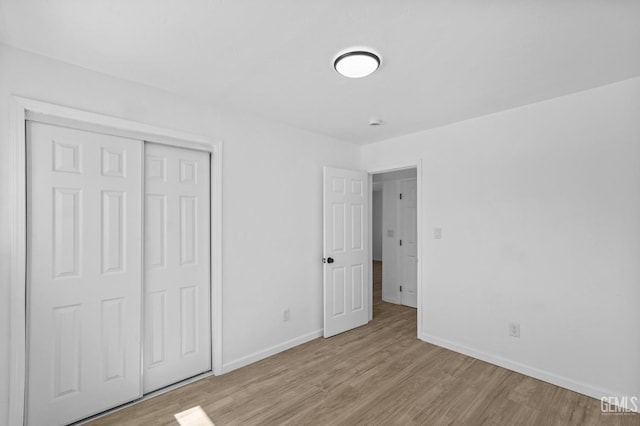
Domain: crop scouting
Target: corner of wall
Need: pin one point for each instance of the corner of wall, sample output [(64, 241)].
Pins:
[(527, 370)]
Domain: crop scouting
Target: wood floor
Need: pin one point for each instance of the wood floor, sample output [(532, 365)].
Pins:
[(379, 374)]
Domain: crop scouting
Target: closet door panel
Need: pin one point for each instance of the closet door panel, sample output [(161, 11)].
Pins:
[(84, 273), (177, 265)]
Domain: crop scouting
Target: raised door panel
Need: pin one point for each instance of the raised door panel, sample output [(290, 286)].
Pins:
[(113, 162), (357, 231), (357, 287), (188, 230), (84, 273), (113, 341), (67, 219), (177, 284), (155, 333), (113, 231), (155, 231), (67, 356), (188, 320), (339, 291), (339, 225)]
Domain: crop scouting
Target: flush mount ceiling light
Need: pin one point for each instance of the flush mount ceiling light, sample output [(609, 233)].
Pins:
[(356, 63)]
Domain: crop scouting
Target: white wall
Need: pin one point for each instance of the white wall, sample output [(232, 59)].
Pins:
[(540, 214), (271, 260), (376, 226), (272, 220)]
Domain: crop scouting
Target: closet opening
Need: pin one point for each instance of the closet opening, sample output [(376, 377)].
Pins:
[(116, 278)]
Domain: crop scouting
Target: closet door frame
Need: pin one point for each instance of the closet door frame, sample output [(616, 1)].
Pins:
[(23, 109)]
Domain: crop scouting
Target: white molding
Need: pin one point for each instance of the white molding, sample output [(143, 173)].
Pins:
[(370, 254), (47, 112), (420, 230), (17, 316), (23, 109), (383, 168), (546, 376), (216, 259), (266, 353)]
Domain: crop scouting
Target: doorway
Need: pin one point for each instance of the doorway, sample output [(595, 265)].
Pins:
[(394, 237)]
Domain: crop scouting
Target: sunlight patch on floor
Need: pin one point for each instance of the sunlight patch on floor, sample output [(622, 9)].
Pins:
[(193, 417)]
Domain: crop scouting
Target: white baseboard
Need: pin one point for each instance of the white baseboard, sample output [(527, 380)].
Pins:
[(390, 300), (265, 353), (545, 376)]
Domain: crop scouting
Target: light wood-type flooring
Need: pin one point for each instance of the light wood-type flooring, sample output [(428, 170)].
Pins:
[(379, 374)]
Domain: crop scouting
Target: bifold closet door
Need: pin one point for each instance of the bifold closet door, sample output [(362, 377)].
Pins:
[(84, 273), (177, 322)]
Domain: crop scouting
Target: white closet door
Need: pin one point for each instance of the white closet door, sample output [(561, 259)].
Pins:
[(84, 273), (177, 246), (409, 238)]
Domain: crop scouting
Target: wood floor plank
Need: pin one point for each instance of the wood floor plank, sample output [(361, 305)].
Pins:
[(378, 374)]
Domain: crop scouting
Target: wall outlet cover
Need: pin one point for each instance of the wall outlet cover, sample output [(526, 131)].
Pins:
[(514, 329)]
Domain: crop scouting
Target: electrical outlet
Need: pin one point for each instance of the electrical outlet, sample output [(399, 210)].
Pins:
[(286, 314), (514, 329), (437, 233)]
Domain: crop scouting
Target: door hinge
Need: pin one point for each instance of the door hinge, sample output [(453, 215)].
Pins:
[(401, 196), (400, 242), (400, 288)]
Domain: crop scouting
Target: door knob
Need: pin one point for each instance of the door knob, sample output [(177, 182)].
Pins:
[(330, 260)]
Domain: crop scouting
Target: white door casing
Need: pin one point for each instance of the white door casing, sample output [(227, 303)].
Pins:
[(346, 250), (84, 273), (409, 247), (177, 265)]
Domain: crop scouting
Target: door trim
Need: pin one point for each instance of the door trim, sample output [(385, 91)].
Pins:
[(417, 164), (23, 109)]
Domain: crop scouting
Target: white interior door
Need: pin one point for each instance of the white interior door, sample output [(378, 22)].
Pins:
[(177, 246), (84, 273), (346, 260), (409, 247)]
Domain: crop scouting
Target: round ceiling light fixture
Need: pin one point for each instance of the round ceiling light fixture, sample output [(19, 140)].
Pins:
[(356, 63)]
